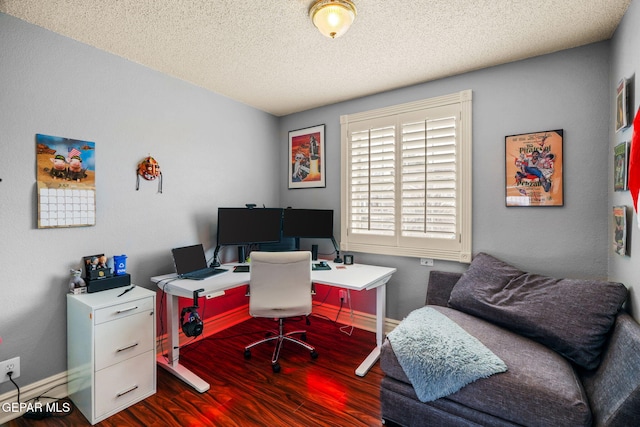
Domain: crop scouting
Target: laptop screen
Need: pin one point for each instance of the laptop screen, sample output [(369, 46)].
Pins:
[(189, 258)]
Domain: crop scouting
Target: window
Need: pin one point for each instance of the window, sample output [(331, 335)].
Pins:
[(406, 179)]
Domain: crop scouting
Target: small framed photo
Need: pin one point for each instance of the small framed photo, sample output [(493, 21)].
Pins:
[(534, 169), (306, 158), (620, 230), (620, 164), (622, 105)]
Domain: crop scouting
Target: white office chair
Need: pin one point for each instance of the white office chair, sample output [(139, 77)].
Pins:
[(280, 287)]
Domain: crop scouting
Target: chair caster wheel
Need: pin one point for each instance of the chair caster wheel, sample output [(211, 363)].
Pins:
[(247, 354), (303, 337), (276, 368), (314, 354)]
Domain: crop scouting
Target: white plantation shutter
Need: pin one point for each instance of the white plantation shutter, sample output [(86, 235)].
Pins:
[(373, 189), (406, 179)]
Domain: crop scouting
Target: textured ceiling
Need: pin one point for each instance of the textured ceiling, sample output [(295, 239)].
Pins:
[(268, 54)]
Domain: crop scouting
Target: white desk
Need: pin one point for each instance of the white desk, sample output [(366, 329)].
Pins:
[(357, 277)]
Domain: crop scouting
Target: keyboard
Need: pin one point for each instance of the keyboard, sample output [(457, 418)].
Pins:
[(203, 274)]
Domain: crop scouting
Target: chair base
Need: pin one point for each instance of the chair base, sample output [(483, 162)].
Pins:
[(280, 337)]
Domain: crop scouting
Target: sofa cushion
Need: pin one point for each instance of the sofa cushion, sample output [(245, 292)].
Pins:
[(540, 388), (571, 316)]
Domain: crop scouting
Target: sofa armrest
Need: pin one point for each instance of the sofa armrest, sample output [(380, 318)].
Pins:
[(614, 386), (439, 287)]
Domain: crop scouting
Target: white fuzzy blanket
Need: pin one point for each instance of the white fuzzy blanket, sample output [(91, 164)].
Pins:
[(438, 356)]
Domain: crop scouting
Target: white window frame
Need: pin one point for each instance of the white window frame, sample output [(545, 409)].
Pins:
[(456, 248)]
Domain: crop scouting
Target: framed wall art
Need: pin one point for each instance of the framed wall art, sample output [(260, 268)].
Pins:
[(620, 230), (620, 164), (306, 158), (622, 106), (534, 169)]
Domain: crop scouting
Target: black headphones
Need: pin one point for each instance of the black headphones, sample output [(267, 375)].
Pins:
[(192, 325), (190, 320)]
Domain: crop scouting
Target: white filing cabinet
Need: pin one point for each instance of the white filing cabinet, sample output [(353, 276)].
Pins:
[(111, 350)]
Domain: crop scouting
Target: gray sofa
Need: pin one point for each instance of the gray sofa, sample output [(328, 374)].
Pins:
[(548, 382)]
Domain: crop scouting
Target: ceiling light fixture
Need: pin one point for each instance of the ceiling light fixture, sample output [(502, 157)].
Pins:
[(333, 17)]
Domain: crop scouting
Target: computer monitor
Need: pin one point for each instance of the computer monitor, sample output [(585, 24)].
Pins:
[(308, 223), (243, 226)]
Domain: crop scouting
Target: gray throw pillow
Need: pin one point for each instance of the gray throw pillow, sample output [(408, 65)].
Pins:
[(573, 317)]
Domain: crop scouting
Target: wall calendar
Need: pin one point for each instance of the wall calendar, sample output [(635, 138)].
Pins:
[(65, 182)]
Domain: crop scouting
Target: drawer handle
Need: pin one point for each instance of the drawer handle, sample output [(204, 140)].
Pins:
[(127, 391), (126, 348), (124, 310)]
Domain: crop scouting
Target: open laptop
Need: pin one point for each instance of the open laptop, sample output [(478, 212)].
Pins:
[(191, 263)]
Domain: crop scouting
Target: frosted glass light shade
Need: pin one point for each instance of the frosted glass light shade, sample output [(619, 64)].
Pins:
[(333, 17)]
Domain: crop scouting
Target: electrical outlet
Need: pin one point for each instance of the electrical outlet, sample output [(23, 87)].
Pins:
[(343, 295), (11, 365), (426, 261)]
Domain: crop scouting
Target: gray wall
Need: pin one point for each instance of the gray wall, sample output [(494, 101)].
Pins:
[(213, 151), (567, 90), (625, 62)]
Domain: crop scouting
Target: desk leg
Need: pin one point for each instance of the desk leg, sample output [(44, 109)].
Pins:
[(381, 313), (173, 364)]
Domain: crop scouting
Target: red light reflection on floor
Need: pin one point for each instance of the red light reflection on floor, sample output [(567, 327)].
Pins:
[(323, 385)]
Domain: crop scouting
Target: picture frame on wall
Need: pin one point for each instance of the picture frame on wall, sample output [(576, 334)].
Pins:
[(622, 105), (620, 165), (534, 169), (306, 158), (620, 230)]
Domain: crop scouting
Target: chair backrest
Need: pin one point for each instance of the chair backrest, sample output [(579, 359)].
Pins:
[(280, 284)]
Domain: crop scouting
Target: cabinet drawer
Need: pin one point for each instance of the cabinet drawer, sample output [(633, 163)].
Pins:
[(124, 338), (122, 310), (118, 386)]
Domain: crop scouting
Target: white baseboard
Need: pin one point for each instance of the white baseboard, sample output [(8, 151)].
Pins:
[(57, 384)]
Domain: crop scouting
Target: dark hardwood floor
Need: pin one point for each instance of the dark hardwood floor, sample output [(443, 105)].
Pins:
[(321, 392)]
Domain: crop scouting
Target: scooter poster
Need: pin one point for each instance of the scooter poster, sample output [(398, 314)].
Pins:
[(534, 169)]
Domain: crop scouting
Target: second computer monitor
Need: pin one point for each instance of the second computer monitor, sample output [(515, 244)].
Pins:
[(308, 223), (242, 226)]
